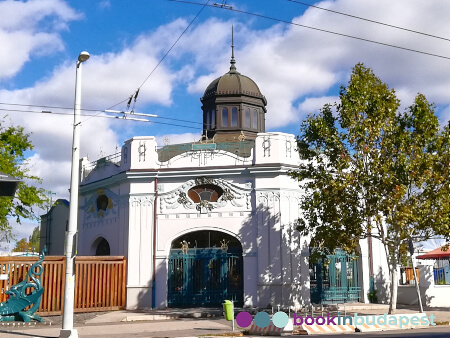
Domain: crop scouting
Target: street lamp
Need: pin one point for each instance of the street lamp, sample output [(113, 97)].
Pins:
[(70, 249)]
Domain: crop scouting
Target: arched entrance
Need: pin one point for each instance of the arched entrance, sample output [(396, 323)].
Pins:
[(205, 268), (101, 247)]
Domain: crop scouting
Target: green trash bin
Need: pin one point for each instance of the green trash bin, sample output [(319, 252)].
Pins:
[(228, 310)]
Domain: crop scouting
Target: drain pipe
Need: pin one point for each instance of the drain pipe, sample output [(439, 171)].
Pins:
[(154, 244)]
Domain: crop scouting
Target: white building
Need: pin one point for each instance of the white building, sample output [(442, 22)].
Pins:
[(206, 221)]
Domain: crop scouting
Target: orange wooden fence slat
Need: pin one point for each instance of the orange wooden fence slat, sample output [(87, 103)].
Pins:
[(100, 282)]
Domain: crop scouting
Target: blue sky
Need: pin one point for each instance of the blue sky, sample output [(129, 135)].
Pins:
[(297, 69)]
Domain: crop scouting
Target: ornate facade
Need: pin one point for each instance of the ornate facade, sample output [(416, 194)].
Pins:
[(204, 221)]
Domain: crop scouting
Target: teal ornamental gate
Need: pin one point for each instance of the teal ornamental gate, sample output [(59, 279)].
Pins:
[(334, 279), (204, 277)]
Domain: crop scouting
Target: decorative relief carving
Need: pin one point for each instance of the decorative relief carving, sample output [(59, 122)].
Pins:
[(141, 201), (103, 203), (227, 195), (142, 150), (204, 180), (182, 199), (204, 207), (288, 148), (266, 146), (235, 195)]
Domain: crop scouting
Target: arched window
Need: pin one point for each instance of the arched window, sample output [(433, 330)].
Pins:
[(255, 119), (247, 118), (205, 192), (234, 117), (102, 248), (213, 119), (102, 202), (207, 120), (224, 117)]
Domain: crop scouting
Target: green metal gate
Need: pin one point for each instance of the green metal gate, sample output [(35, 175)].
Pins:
[(334, 279), (204, 277)]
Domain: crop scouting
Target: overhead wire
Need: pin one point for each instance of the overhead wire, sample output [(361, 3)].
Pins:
[(316, 29), (100, 116), (82, 109), (136, 93), (369, 20)]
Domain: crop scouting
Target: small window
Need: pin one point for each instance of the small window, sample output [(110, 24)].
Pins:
[(247, 118), (224, 117), (102, 202), (213, 119), (207, 120), (205, 192), (255, 119), (234, 117)]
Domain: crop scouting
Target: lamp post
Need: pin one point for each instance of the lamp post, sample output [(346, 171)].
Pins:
[(70, 245)]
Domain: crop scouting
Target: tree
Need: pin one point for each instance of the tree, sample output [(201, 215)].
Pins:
[(32, 243), (371, 171), (34, 239), (21, 246), (14, 142)]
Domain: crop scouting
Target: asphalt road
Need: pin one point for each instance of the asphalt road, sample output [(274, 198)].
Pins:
[(188, 328)]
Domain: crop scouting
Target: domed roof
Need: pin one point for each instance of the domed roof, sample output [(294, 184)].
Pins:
[(233, 83)]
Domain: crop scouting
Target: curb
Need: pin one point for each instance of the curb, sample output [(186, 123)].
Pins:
[(270, 330), (373, 322), (318, 329)]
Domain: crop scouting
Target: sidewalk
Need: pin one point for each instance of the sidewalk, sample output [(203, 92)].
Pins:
[(178, 322)]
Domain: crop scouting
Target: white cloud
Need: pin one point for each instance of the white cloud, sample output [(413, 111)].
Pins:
[(289, 62), (297, 69), (176, 138), (30, 28), (104, 4)]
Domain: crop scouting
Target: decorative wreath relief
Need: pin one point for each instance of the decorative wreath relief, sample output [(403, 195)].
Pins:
[(204, 207), (183, 199), (227, 195)]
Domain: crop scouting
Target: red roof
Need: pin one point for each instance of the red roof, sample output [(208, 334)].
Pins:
[(436, 253)]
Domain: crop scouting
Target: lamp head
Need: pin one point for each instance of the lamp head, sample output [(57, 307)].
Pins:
[(83, 56)]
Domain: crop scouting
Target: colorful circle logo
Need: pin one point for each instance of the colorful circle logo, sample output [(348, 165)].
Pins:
[(262, 319)]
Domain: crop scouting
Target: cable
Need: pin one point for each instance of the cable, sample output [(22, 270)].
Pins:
[(161, 60), (93, 115), (369, 20), (318, 29), (82, 109)]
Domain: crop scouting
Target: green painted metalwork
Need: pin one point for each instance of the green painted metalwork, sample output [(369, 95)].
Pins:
[(204, 277), (334, 279), (22, 304), (242, 149)]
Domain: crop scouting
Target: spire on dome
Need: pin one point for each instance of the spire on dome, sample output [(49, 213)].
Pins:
[(232, 61)]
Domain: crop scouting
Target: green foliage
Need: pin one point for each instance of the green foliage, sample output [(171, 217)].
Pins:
[(369, 169), (14, 142), (21, 246), (373, 297), (32, 244), (34, 239)]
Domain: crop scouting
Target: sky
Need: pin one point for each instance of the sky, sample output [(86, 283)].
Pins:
[(298, 55)]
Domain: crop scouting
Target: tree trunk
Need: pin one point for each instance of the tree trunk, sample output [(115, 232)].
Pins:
[(394, 286)]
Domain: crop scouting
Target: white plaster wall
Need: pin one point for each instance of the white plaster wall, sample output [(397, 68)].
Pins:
[(111, 225), (432, 295), (280, 261), (140, 251)]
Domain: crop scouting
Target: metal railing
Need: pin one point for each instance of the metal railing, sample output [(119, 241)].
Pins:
[(242, 149), (101, 162)]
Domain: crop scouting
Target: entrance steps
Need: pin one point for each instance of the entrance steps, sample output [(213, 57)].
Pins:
[(355, 307)]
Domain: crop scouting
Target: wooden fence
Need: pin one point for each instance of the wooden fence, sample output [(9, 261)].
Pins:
[(100, 282)]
